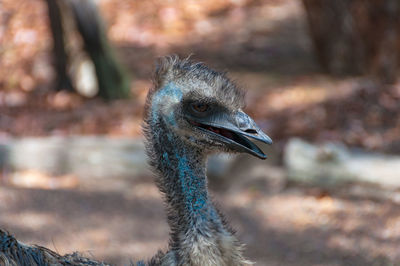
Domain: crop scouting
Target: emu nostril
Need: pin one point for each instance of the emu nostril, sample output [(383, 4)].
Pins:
[(251, 131)]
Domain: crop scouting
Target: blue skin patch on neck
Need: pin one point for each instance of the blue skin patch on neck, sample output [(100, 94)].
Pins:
[(165, 158), (192, 185), (191, 182)]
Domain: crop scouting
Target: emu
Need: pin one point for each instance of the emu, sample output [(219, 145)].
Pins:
[(190, 113)]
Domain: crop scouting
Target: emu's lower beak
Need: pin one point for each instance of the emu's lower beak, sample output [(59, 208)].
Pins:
[(234, 130)]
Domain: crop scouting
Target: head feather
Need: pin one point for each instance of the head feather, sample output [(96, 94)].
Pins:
[(197, 75)]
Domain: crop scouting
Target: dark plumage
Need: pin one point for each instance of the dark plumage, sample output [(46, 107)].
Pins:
[(15, 253), (191, 112)]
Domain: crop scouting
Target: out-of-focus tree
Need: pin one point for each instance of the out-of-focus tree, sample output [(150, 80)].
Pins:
[(63, 81), (356, 36), (84, 61)]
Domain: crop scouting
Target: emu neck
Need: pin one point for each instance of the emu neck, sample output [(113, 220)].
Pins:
[(182, 166), (183, 180), (198, 235)]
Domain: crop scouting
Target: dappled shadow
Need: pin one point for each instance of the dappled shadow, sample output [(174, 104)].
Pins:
[(315, 244), (92, 220), (120, 224), (306, 247), (263, 44), (238, 42), (355, 113), (279, 229)]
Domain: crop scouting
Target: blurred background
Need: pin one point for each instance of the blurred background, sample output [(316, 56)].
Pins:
[(321, 79)]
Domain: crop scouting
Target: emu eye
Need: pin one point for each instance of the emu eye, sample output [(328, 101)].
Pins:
[(200, 107)]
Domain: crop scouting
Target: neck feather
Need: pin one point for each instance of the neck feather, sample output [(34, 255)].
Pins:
[(198, 235), (183, 180)]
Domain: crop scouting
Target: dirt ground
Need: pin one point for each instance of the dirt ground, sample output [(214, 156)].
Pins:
[(269, 55), (121, 220)]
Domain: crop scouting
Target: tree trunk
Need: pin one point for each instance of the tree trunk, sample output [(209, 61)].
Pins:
[(356, 36), (92, 65), (112, 79), (60, 58)]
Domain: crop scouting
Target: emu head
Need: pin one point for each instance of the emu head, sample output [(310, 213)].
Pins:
[(202, 107)]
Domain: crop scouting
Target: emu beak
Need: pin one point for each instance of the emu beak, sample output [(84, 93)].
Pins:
[(234, 129)]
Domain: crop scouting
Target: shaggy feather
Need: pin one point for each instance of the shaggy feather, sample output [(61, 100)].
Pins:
[(196, 76), (15, 253), (199, 235)]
